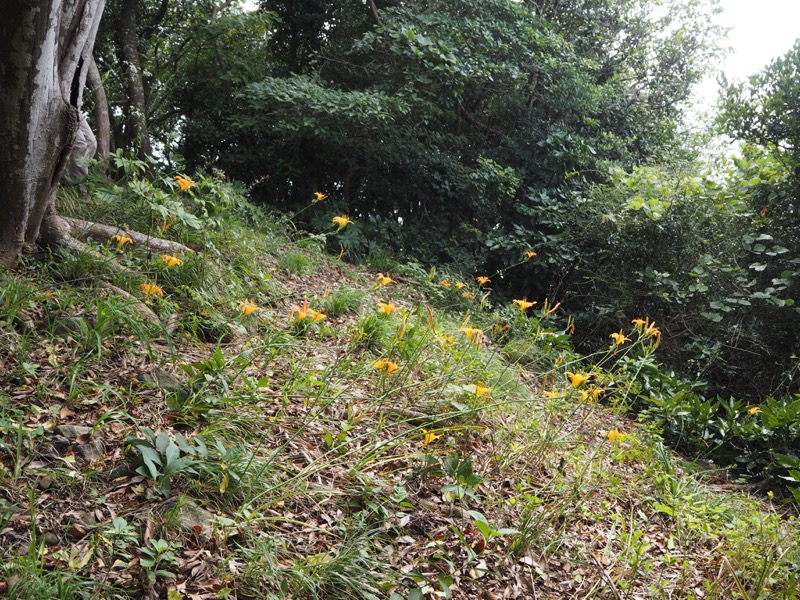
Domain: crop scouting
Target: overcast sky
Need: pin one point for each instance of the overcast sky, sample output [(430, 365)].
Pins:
[(760, 31)]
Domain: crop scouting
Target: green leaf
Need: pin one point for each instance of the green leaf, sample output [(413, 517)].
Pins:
[(667, 510)]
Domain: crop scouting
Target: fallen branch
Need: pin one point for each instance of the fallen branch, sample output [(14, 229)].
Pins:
[(104, 233)]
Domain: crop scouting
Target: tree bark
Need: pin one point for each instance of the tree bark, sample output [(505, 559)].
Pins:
[(45, 47), (100, 112), (128, 39)]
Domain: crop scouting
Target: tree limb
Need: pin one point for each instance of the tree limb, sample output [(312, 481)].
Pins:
[(374, 12), (104, 233)]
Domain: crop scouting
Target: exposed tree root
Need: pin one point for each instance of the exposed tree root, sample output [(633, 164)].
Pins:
[(104, 233), (145, 311)]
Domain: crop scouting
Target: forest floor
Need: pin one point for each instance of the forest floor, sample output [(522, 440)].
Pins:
[(415, 443)]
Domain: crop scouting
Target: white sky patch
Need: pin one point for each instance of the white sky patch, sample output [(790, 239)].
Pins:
[(760, 31)]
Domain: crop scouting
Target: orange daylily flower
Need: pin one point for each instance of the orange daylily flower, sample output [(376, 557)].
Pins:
[(319, 197), (524, 304), (474, 334), (184, 182), (387, 365), (304, 311), (151, 289), (429, 438), (653, 331), (121, 240), (341, 222), (578, 378), (171, 261), (445, 340), (247, 307), (480, 390), (384, 279), (615, 436), (619, 338), (482, 279), (386, 307)]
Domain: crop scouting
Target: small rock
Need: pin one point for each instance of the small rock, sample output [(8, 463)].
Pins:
[(81, 523), (92, 451), (44, 482), (71, 432), (121, 470), (60, 443), (164, 380), (51, 539)]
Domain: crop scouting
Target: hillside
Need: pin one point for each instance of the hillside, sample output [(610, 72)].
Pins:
[(258, 418)]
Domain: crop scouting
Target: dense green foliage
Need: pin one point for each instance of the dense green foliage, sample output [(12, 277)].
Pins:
[(459, 132)]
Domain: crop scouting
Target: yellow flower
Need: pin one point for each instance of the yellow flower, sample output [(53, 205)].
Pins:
[(578, 378), (592, 393), (384, 279), (480, 390), (300, 311), (529, 254), (552, 393), (430, 437), (121, 240), (386, 307), (184, 182), (151, 289), (341, 221), (615, 436), (524, 304), (653, 331), (468, 295), (619, 338), (753, 410), (171, 261), (459, 285), (247, 307), (639, 323), (482, 279), (317, 316), (474, 334), (445, 340), (387, 365), (319, 197), (444, 283), (303, 311)]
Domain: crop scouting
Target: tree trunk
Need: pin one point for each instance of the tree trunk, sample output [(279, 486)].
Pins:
[(127, 37), (45, 47), (102, 120)]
